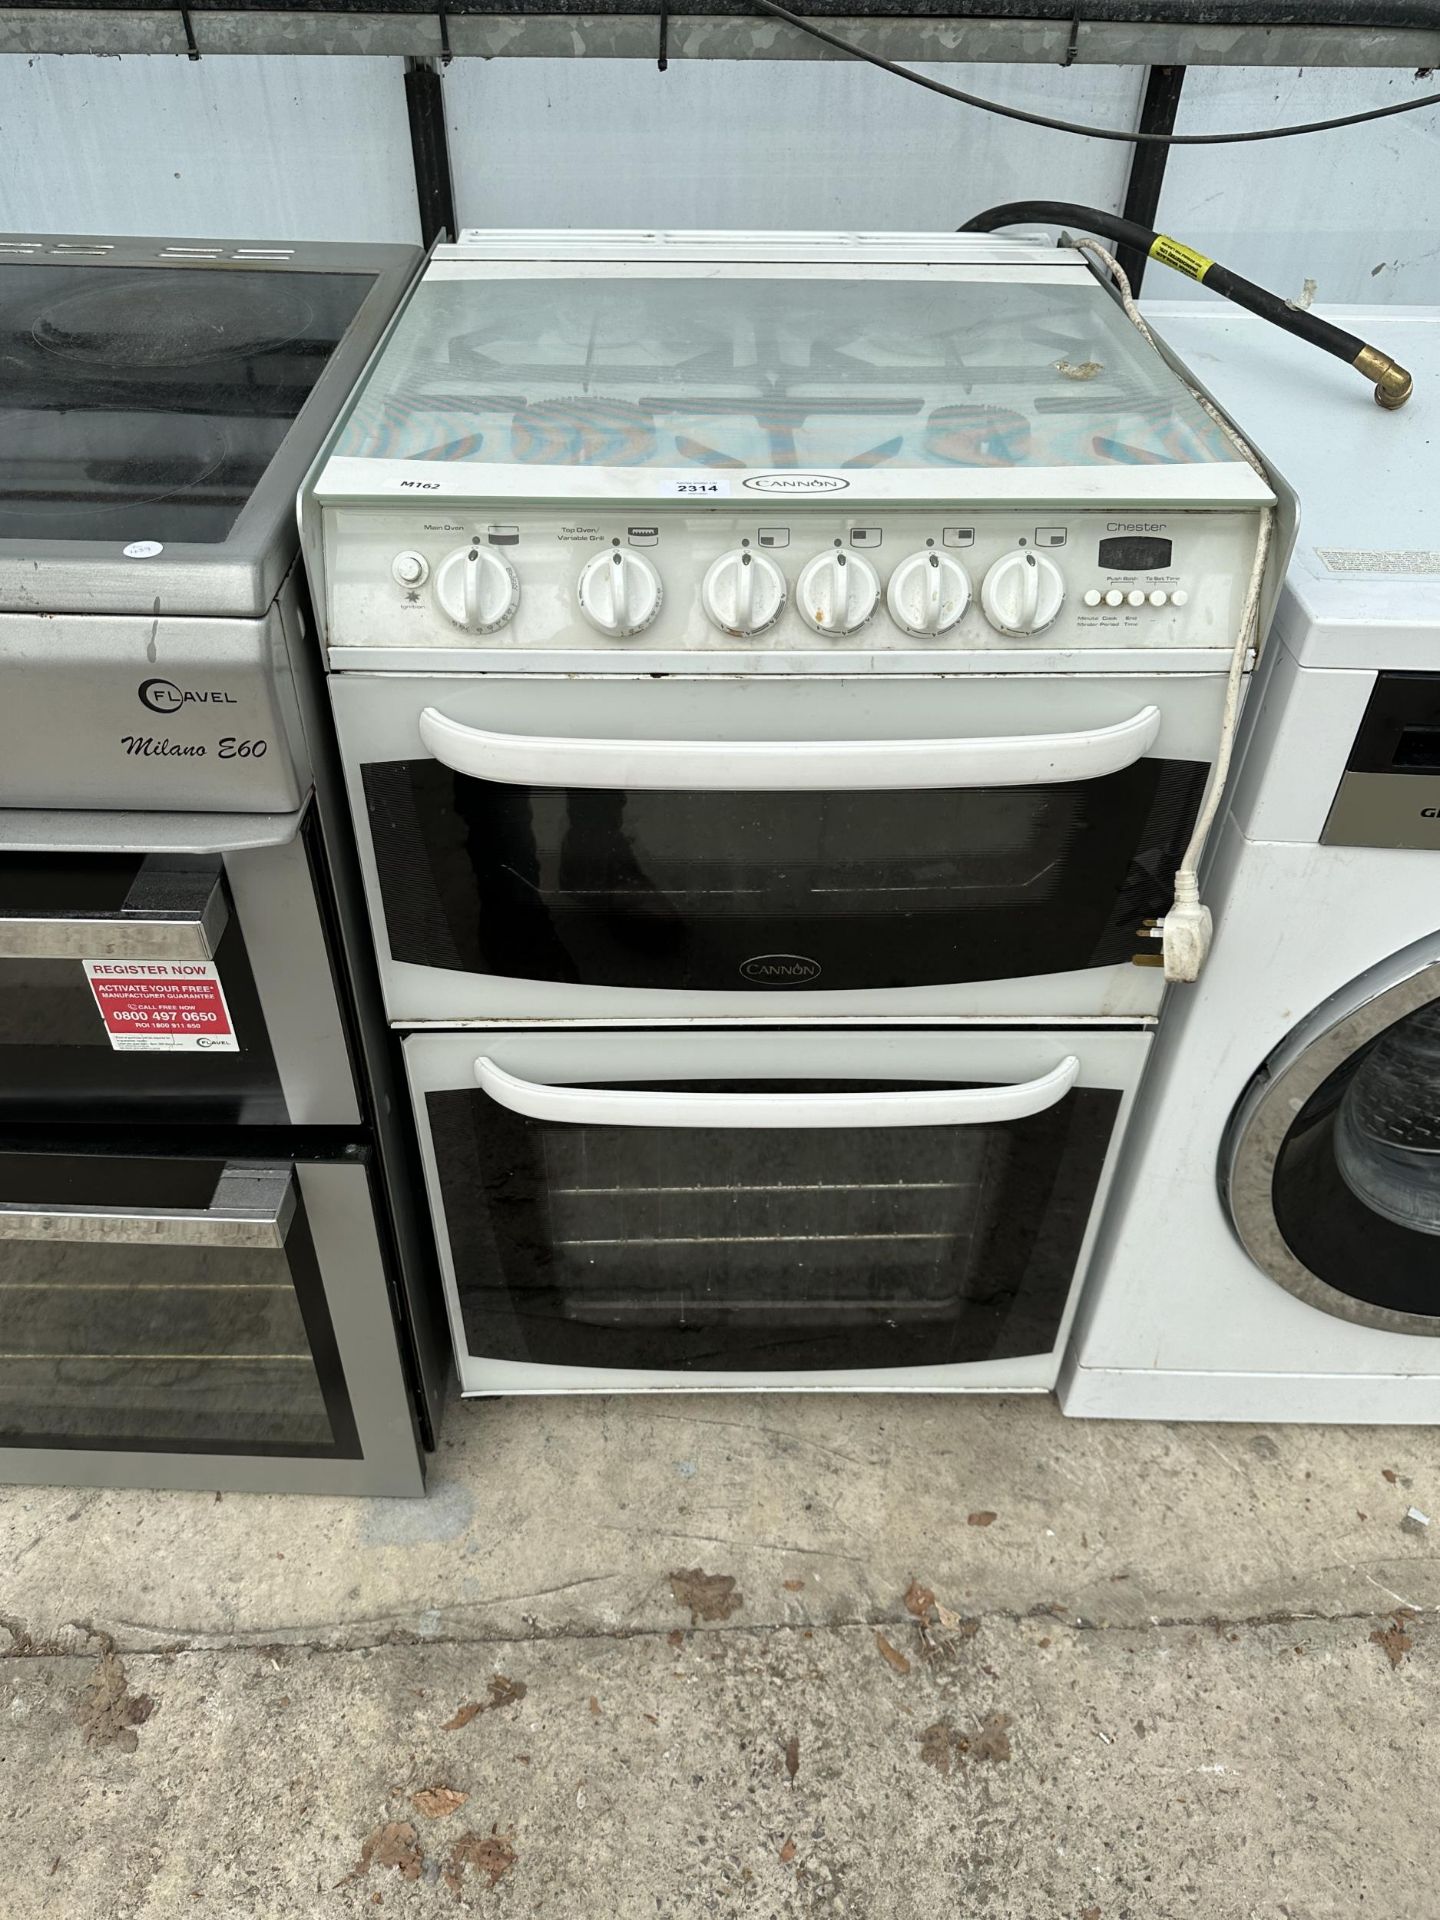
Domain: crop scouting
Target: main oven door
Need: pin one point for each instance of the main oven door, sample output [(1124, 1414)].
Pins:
[(174, 1316), (174, 988), (750, 1208), (638, 848)]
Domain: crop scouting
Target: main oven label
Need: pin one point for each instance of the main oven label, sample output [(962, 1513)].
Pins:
[(162, 1006)]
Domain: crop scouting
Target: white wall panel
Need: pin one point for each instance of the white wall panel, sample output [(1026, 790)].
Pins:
[(712, 143), (239, 147), (1357, 211)]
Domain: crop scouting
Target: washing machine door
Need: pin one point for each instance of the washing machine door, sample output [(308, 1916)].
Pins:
[(1330, 1168)]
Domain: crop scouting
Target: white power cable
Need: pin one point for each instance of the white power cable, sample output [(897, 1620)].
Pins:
[(1186, 930)]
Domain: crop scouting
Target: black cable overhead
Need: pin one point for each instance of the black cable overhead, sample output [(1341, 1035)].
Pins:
[(849, 47)]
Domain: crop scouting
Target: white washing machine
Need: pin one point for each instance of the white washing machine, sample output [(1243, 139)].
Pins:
[(1271, 1250)]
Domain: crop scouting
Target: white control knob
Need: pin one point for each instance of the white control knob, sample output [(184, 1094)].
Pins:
[(928, 593), (743, 592), (619, 592), (1114, 598), (1022, 593), (1136, 597), (410, 569), (837, 592), (476, 588)]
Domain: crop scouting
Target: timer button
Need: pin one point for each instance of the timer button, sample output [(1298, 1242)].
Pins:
[(1159, 597), (1114, 598), (1093, 596), (1136, 597), (410, 569), (1179, 597)]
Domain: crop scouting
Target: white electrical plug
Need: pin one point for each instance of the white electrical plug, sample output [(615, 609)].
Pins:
[(1186, 931)]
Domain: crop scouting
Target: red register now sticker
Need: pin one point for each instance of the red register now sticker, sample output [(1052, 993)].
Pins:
[(162, 1006)]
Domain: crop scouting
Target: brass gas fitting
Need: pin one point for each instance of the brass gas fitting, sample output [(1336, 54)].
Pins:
[(1392, 382)]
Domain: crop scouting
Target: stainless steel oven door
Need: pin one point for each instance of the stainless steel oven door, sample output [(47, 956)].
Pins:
[(189, 1320), (750, 1208), (247, 922), (634, 848)]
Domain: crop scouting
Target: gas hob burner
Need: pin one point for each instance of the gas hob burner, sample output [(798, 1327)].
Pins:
[(611, 337), (147, 322), (582, 432)]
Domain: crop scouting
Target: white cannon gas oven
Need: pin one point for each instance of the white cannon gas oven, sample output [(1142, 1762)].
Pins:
[(738, 644)]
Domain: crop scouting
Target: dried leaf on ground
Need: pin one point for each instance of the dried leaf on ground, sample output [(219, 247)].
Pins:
[(1090, 1913), (675, 1638), (919, 1600), (462, 1716), (1389, 1473), (503, 1693), (787, 1852), (792, 1755), (487, 1853), (992, 1742), (108, 1712), (892, 1655), (935, 1743), (1395, 1641), (982, 1519), (594, 1704), (393, 1845), (794, 1586), (437, 1801), (709, 1596)]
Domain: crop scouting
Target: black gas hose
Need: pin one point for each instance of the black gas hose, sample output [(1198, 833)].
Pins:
[(1392, 381)]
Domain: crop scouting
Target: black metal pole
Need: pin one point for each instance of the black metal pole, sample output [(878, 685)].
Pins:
[(430, 149), (1158, 110)]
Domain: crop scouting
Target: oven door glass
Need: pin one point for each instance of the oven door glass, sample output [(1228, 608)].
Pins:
[(718, 890), (164, 1304), (1332, 1175), (785, 1220), (130, 912)]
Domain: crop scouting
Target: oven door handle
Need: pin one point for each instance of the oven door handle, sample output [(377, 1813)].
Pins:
[(732, 766), (173, 911), (252, 1206), (929, 1107)]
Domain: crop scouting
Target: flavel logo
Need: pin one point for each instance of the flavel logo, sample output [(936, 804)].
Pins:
[(163, 696), (780, 970), (795, 483)]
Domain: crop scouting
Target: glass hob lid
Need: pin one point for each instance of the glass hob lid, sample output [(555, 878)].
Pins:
[(734, 370), (146, 404)]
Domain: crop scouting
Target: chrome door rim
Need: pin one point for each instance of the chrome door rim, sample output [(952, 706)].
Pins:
[(1266, 1112)]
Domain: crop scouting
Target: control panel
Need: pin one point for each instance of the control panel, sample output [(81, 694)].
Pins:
[(804, 580)]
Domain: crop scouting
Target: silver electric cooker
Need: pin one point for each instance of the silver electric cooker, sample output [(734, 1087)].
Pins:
[(160, 402)]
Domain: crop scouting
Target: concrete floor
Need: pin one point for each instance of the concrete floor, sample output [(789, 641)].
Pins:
[(1172, 1676)]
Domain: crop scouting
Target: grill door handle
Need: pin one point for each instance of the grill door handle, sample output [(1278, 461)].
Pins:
[(930, 1107), (252, 1206), (776, 766)]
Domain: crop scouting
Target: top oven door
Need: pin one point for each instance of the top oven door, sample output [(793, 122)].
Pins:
[(629, 848), (170, 988)]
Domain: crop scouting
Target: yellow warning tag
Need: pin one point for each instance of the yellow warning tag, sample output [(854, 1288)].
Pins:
[(1175, 253)]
